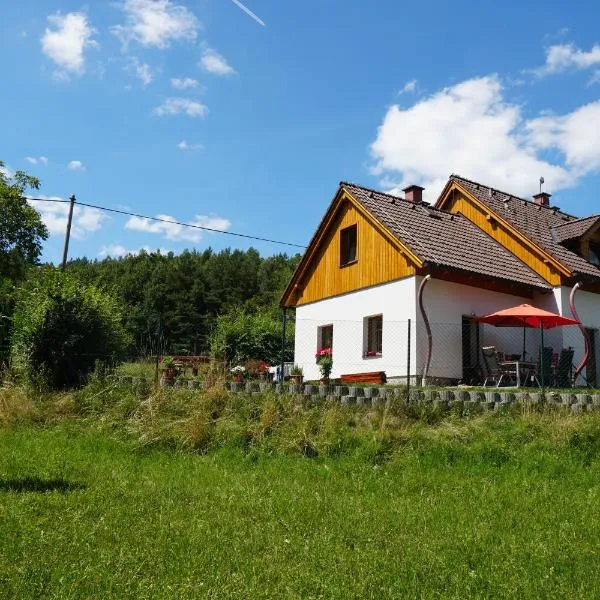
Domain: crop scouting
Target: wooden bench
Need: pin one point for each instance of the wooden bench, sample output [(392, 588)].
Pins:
[(374, 377)]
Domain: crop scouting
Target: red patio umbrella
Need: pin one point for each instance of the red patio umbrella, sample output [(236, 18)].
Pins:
[(526, 315)]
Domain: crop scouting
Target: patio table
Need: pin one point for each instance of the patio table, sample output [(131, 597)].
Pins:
[(523, 368)]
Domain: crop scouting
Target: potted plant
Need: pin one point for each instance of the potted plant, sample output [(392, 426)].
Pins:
[(297, 374), (325, 363), (238, 373), (169, 370)]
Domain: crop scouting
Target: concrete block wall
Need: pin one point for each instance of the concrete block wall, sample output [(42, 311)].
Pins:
[(460, 400)]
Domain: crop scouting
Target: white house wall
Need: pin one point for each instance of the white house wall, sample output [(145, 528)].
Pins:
[(395, 301), (445, 304), (587, 305)]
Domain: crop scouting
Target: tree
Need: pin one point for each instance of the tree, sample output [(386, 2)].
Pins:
[(240, 336), (62, 328), (21, 227), (21, 236)]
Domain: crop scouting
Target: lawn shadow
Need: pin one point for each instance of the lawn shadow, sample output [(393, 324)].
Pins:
[(39, 485)]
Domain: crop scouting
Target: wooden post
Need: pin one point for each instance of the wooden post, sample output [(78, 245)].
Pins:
[(68, 233)]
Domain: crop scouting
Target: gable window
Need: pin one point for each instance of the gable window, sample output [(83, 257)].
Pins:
[(348, 245), (373, 336), (324, 338)]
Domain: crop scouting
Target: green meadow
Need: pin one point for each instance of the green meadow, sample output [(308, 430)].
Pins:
[(111, 493)]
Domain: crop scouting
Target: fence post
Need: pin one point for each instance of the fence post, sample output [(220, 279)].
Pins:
[(408, 363), (281, 374)]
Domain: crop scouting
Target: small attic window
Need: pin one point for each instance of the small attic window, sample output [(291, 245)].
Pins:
[(348, 245)]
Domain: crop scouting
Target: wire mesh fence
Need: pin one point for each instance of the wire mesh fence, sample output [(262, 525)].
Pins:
[(446, 353)]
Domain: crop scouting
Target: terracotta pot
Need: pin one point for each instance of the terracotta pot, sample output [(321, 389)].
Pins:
[(169, 373), (238, 378)]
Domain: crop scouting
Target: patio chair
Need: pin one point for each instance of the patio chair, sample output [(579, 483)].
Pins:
[(562, 374), (495, 370)]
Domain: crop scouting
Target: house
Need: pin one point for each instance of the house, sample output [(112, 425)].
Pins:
[(356, 289)]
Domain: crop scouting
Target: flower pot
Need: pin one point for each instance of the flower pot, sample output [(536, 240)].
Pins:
[(297, 379), (170, 373), (238, 378)]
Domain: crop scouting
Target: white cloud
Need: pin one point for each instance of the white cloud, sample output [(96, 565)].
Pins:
[(175, 106), (566, 57), (175, 232), (156, 23), (55, 214), (572, 134), (118, 250), (470, 129), (184, 84), (409, 87), (213, 62), (65, 41), (141, 70), (76, 165), (33, 160), (183, 145)]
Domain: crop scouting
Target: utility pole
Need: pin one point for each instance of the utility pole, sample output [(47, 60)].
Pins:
[(68, 233)]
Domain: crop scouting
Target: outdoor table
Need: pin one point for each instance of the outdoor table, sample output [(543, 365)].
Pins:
[(522, 367)]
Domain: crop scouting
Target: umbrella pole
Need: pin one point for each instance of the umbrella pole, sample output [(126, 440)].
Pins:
[(524, 344), (542, 357)]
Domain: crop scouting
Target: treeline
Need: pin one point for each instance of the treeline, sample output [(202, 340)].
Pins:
[(171, 302)]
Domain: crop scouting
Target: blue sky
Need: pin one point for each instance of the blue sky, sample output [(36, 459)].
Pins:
[(198, 111)]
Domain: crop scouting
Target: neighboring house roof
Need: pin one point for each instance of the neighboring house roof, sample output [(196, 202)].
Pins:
[(534, 221), (574, 229), (444, 239)]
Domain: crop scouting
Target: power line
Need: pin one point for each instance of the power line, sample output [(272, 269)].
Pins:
[(159, 220)]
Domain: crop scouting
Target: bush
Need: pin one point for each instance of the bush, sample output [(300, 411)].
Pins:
[(63, 329)]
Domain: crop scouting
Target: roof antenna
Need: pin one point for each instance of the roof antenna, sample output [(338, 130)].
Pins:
[(541, 184)]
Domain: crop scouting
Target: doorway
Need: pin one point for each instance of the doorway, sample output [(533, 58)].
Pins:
[(471, 366), (591, 367)]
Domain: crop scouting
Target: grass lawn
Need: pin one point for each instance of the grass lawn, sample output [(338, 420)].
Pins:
[(495, 509)]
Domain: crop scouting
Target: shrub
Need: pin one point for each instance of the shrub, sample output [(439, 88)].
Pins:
[(63, 329)]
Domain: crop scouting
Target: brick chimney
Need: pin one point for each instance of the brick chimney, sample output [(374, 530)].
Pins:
[(543, 199), (413, 193)]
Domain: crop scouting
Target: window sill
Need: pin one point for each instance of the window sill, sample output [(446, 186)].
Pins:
[(349, 264), (371, 356)]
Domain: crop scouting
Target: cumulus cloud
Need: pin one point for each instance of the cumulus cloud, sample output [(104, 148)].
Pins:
[(471, 129), (184, 84), (216, 64), (172, 231), (572, 135), (156, 23), (65, 41), (184, 145), (176, 106), (567, 57), (76, 165), (54, 215)]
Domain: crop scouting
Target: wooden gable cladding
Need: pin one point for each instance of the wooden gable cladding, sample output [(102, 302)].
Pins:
[(457, 200), (379, 259)]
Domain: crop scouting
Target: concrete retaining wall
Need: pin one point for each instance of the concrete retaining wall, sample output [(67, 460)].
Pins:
[(466, 401)]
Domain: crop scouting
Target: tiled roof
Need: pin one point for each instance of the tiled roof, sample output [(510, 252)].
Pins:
[(574, 229), (444, 239), (533, 221)]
